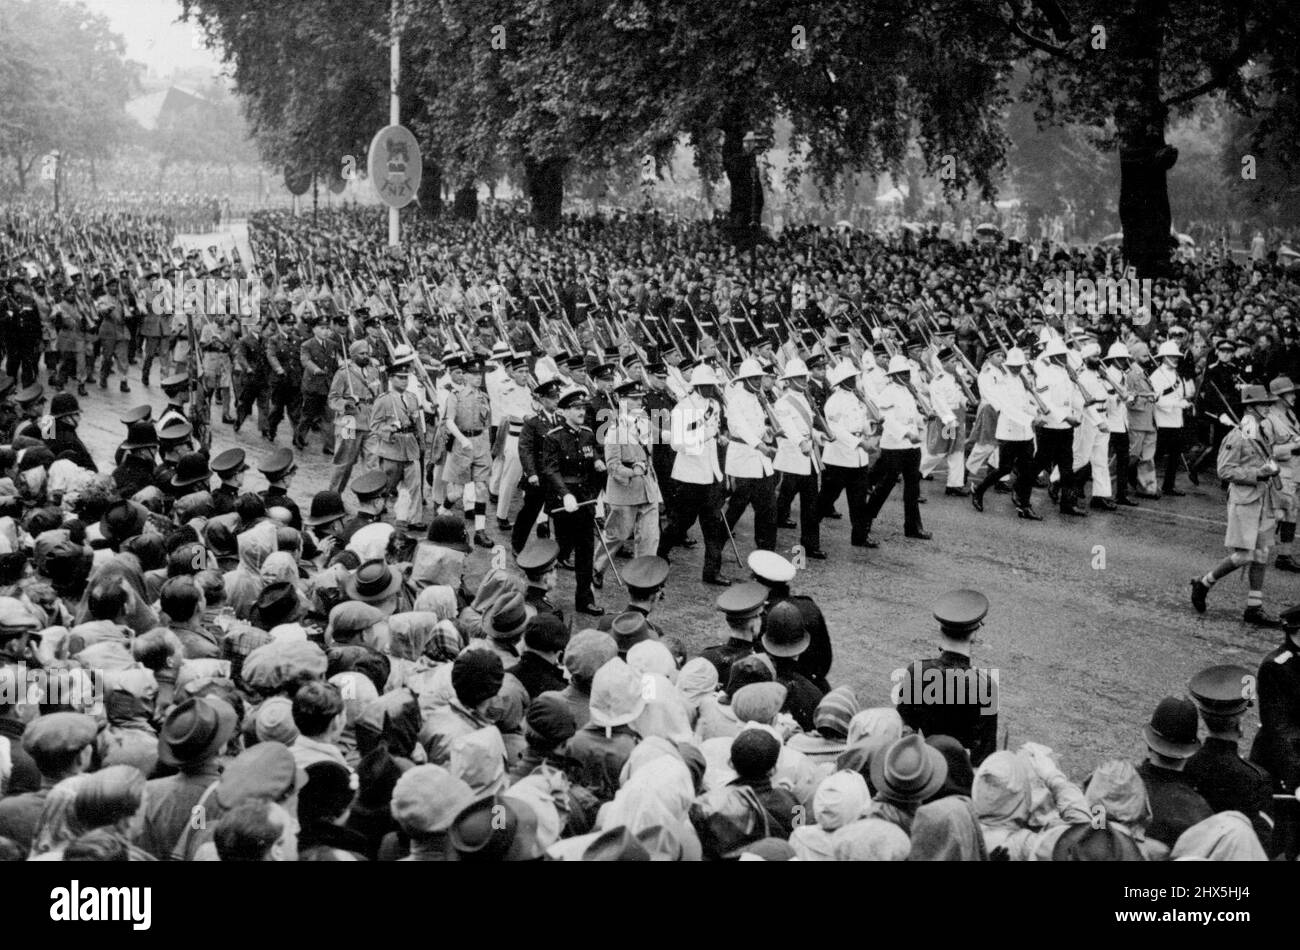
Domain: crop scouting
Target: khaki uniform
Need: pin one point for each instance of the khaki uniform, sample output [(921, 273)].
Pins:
[(468, 408), (396, 434)]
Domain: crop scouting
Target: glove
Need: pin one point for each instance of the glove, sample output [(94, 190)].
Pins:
[(570, 504), (534, 480)]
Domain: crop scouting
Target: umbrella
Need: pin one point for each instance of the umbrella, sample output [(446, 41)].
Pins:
[(989, 231)]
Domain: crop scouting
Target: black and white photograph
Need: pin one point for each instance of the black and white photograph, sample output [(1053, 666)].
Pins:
[(649, 430)]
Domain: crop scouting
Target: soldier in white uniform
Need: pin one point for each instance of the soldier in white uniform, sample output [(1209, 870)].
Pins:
[(1017, 411), (1119, 399), (1092, 437), (1056, 435), (516, 406), (494, 384), (946, 433), (750, 449), (1173, 395), (698, 482), (796, 446), (984, 448), (900, 451), (847, 456), (1281, 429)]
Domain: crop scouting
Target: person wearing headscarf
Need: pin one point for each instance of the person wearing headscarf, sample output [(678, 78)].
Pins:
[(870, 839), (495, 582), (138, 615), (357, 690), (841, 799), (717, 716), (130, 738), (244, 584), (417, 643), (878, 721), (1226, 836), (829, 739), (439, 600), (657, 795), (1116, 788), (1003, 797), (697, 681), (946, 829)]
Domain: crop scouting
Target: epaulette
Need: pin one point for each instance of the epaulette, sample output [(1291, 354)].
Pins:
[(585, 428), (556, 429), (1283, 657)]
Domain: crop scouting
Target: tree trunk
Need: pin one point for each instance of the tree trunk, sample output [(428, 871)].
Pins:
[(22, 173), (429, 196), (1145, 158), (465, 203), (745, 215), (544, 182)]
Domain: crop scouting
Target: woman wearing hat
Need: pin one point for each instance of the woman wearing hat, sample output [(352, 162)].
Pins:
[(1247, 461)]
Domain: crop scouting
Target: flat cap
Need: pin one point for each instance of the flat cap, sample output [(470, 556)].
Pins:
[(647, 571), (960, 612), (742, 601), (427, 798), (59, 733), (353, 616), (1222, 689)]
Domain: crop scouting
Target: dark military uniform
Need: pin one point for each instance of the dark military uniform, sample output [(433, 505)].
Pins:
[(723, 655), (973, 724), (1229, 783), (536, 598), (659, 403), (531, 437), (1175, 805), (569, 468), (814, 662), (223, 499), (1277, 744), (276, 497)]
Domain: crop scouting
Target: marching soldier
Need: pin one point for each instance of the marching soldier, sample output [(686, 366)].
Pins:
[(1281, 430), (1248, 463), (279, 469), (351, 398), (215, 342), (900, 452), (516, 406), (230, 467), (468, 419), (796, 448), (946, 432), (1277, 744), (1222, 695), (1017, 411), (697, 478), (984, 432), (72, 328), (659, 403), (632, 497), (1173, 396), (531, 435), (397, 432), (1091, 451), (570, 470), (847, 456), (1141, 473), (1219, 393), (750, 450), (320, 363), (967, 708), (1056, 434), (1118, 401)]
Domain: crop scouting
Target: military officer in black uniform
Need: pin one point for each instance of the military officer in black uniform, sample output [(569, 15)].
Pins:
[(1277, 744), (1222, 695), (279, 469), (775, 573), (531, 437), (572, 473), (230, 467), (537, 561), (659, 402), (371, 489), (742, 604), (968, 704)]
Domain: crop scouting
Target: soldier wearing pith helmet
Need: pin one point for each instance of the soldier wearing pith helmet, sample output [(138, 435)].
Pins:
[(1222, 695), (961, 699)]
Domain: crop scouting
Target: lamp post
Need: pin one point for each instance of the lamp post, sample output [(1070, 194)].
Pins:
[(394, 106)]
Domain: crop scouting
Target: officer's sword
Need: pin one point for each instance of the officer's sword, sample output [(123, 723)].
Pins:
[(734, 550)]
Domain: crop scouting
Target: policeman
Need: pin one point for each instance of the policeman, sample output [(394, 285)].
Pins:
[(537, 561), (370, 489), (742, 606), (1222, 695), (138, 461), (775, 573), (644, 577), (351, 396), (572, 472), (468, 417), (785, 639), (141, 413), (173, 442), (397, 432), (31, 406), (177, 390), (279, 469), (967, 706), (531, 435), (1277, 744), (230, 467)]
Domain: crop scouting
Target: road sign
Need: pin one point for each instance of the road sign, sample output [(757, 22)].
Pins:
[(394, 165)]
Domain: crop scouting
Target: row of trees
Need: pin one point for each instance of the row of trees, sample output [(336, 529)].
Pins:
[(64, 80)]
